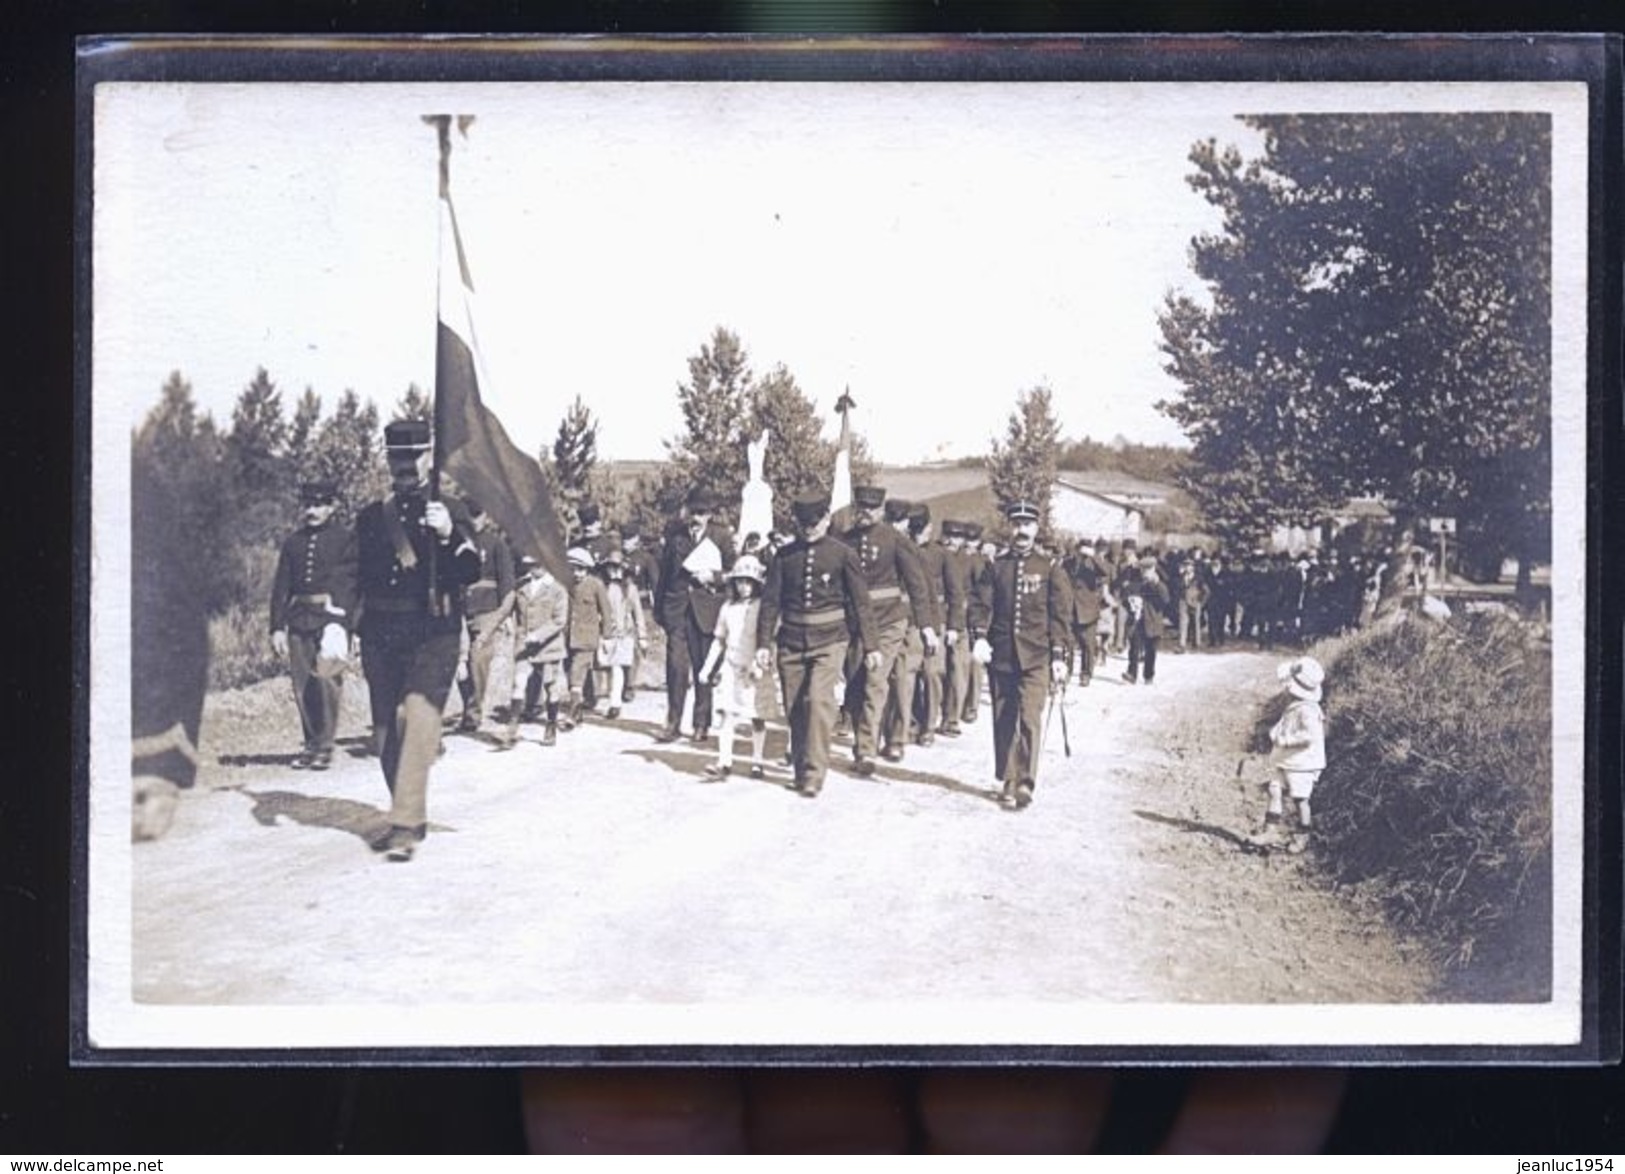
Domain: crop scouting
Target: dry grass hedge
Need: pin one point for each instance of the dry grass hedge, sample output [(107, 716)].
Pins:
[(1436, 799)]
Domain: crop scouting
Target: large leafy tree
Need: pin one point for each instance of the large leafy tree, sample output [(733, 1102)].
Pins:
[(1021, 467), (1377, 320)]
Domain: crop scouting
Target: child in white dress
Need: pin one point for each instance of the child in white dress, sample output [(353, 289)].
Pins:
[(731, 668)]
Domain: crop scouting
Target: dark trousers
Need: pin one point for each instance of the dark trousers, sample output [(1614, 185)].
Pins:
[(898, 715), (1143, 647), (1018, 720), (933, 677), (956, 681), (317, 697), (1086, 635), (687, 645), (810, 679), (410, 665)]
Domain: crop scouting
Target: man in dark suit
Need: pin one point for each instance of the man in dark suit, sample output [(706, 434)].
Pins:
[(1090, 577), (416, 556), (814, 603), (314, 587), (944, 602), (1021, 607), (693, 559)]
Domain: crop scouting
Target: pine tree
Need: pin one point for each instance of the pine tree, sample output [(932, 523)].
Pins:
[(575, 450), (1022, 468), (711, 452), (416, 404), (348, 452)]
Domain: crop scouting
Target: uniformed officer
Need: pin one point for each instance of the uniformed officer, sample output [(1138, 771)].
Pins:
[(942, 588), (956, 569), (814, 602), (411, 625), (1020, 610), (977, 562), (919, 639), (897, 594), (488, 605), (315, 586)]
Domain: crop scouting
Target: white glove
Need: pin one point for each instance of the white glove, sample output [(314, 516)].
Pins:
[(951, 637), (1057, 671), (279, 644), (438, 518), (929, 637), (764, 657), (981, 652)]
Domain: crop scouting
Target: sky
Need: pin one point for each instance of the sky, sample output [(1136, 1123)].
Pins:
[(936, 248)]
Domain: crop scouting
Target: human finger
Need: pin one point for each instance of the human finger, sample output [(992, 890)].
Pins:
[(648, 1111), (1279, 1111), (791, 1111), (1013, 1110)]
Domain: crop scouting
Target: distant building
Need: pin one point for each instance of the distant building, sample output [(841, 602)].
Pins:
[(1357, 511), (1084, 513)]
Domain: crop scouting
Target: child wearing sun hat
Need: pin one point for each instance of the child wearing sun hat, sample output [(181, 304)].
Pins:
[(1297, 748)]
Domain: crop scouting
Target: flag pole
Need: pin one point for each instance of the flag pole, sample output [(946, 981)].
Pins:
[(442, 125)]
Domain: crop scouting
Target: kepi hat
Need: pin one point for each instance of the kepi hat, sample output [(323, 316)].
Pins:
[(406, 436), (318, 493), (579, 556), (897, 509), (868, 497), (809, 508), (1022, 511)]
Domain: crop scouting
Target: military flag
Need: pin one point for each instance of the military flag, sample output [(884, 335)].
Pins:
[(470, 443)]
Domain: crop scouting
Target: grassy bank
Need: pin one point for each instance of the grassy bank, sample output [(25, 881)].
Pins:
[(1436, 800)]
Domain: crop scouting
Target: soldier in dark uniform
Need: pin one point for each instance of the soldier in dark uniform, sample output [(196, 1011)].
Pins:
[(315, 585), (978, 563), (956, 574), (1021, 607), (410, 635), (814, 603), (933, 661), (897, 595), (687, 609), (488, 604), (919, 639)]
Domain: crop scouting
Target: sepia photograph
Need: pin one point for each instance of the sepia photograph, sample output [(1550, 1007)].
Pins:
[(829, 562)]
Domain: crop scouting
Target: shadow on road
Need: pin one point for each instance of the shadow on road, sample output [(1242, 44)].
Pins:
[(361, 820), (1234, 839), (257, 759), (691, 763)]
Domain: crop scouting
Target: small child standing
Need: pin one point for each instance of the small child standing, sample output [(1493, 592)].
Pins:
[(623, 638), (589, 608), (542, 607), (731, 667), (1298, 748)]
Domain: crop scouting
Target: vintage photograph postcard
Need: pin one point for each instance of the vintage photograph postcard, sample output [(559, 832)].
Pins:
[(1037, 549)]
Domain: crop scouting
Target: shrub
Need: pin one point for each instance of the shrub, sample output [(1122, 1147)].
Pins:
[(1437, 793), (240, 647)]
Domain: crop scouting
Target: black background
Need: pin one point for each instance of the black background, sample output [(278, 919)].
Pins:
[(48, 1108)]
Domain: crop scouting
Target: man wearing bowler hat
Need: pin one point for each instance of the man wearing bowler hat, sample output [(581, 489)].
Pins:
[(416, 556), (898, 595), (814, 602), (1020, 612), (694, 557), (315, 589)]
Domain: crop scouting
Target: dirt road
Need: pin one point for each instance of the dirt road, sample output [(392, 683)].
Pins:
[(606, 869)]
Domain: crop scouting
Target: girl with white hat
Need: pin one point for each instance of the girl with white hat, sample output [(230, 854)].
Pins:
[(1298, 748), (742, 690)]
